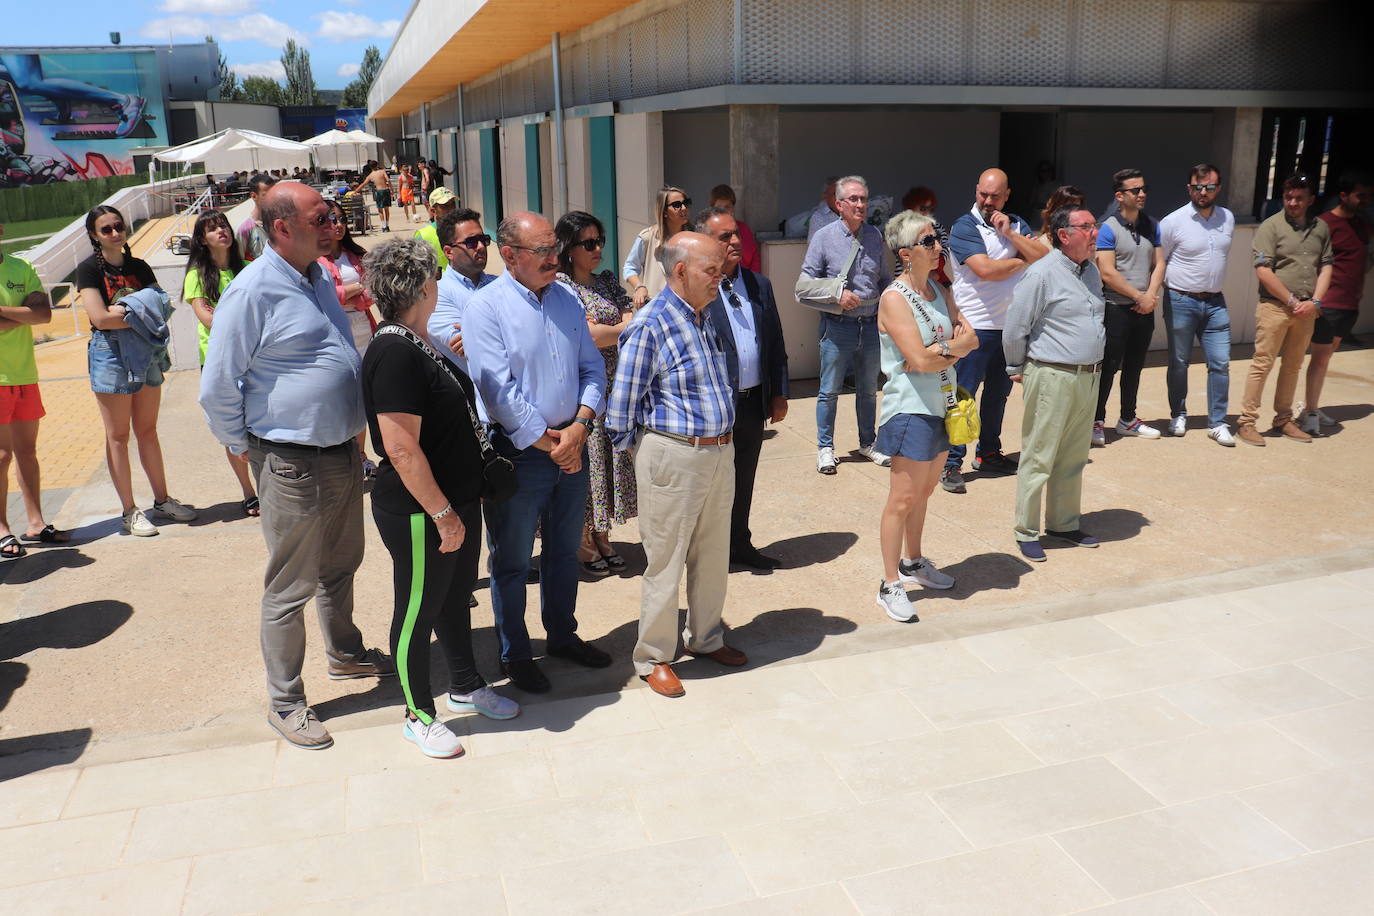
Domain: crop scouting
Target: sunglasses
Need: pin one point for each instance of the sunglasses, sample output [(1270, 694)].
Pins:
[(112, 229), (543, 251), (473, 242), (1141, 190), (680, 204), (1204, 187), (590, 244), (928, 243), (329, 216)]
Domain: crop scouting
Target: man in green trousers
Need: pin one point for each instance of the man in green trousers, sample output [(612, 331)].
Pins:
[(1053, 341)]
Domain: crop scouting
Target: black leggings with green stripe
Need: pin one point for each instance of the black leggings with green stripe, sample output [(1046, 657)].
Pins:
[(432, 591)]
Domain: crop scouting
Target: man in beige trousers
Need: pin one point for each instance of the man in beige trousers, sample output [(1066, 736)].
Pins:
[(673, 402)]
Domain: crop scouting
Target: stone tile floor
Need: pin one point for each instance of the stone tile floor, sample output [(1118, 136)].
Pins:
[(1206, 756)]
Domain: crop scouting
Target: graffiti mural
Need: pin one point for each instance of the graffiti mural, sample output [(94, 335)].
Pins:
[(69, 116)]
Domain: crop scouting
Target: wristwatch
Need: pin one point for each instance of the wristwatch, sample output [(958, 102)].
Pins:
[(585, 421), (944, 348), (1317, 303)]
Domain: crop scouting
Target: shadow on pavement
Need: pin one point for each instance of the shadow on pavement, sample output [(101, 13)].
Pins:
[(12, 677), (42, 561), (219, 513), (22, 756), (811, 549), (71, 627), (982, 572), (95, 531), (1109, 525)]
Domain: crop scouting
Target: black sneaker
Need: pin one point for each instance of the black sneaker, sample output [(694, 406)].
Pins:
[(994, 463), (952, 480), (525, 674), (581, 652)]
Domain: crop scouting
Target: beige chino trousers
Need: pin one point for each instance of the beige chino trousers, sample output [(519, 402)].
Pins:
[(1279, 335), (1056, 435), (685, 494)]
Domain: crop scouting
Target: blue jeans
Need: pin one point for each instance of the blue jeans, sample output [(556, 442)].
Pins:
[(556, 503), (986, 366), (1188, 317), (846, 341)]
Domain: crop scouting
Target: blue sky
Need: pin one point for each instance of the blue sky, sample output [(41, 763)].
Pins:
[(250, 32)]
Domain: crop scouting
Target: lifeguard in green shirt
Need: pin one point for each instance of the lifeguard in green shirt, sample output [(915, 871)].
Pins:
[(441, 202)]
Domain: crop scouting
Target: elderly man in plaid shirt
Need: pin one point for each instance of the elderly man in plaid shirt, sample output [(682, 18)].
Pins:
[(672, 400)]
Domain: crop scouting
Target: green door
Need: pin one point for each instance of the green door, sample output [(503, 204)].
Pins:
[(602, 136)]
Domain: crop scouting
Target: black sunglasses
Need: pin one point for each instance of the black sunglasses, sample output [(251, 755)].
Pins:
[(680, 204), (1204, 187), (329, 216), (1139, 190), (112, 229), (928, 243), (590, 244), (473, 242)]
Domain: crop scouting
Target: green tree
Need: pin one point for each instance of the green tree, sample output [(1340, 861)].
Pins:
[(300, 81), (228, 81), (262, 89), (355, 93)]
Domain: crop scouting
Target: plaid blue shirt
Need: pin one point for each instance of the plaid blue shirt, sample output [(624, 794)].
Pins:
[(671, 375)]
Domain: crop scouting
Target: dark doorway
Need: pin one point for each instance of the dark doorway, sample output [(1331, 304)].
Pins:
[(1028, 152)]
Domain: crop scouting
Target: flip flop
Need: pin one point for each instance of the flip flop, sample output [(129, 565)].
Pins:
[(614, 560), (49, 535), (251, 507), (10, 548)]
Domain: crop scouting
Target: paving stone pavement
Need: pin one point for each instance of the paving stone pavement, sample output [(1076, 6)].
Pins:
[(1204, 756)]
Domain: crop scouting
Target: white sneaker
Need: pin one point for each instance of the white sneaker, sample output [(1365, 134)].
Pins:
[(892, 599), (1311, 424), (1099, 434), (1178, 426), (1136, 428), (137, 524), (875, 456), (177, 512), (434, 740), (825, 461), (924, 573), (1221, 433), (485, 701), (1323, 418)]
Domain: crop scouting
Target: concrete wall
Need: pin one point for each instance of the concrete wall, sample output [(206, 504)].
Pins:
[(512, 166), (472, 169), (639, 174), (696, 152), (216, 116), (1162, 144), (579, 164), (893, 149)]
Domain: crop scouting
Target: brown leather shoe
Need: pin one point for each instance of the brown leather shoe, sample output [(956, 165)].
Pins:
[(663, 681), (1290, 430), (1250, 436), (725, 655)]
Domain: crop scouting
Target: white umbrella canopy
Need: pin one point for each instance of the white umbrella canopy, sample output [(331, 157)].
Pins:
[(344, 148), (235, 149)]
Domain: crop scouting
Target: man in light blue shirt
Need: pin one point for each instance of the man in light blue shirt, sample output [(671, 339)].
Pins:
[(282, 382), (465, 246), (541, 380)]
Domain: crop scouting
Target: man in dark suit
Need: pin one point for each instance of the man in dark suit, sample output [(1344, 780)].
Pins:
[(745, 319)]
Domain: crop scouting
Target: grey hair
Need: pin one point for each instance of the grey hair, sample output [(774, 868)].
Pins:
[(905, 228), (850, 179), (672, 253), (1059, 219), (511, 230), (397, 271), (705, 213), (275, 207)]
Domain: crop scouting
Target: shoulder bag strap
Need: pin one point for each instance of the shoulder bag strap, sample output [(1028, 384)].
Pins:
[(477, 425), (946, 385)]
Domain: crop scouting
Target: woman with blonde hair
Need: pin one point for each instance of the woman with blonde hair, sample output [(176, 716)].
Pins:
[(643, 271), (922, 335)]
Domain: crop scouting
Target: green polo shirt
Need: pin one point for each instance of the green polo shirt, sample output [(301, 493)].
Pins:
[(430, 233), (1295, 253), (17, 365)]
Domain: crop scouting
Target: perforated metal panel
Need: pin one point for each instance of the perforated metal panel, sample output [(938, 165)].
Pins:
[(796, 41), (1019, 43), (1216, 45), (1122, 43), (909, 42), (673, 48), (621, 64), (643, 57), (711, 34)]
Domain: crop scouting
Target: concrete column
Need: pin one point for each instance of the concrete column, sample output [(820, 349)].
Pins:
[(639, 173), (1235, 148), (754, 164)]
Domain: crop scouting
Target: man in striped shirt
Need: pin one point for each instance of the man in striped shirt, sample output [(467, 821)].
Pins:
[(673, 403)]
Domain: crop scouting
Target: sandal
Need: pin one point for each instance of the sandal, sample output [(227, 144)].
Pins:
[(11, 549), (49, 535), (598, 567), (614, 560), (250, 507)]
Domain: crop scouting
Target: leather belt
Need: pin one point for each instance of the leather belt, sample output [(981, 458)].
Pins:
[(264, 445), (1069, 367), (748, 392), (694, 441), (1203, 296)]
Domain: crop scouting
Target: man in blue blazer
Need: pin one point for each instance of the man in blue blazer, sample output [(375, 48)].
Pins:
[(745, 319)]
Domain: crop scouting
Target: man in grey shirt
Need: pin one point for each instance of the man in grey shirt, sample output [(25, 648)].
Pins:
[(1054, 339), (847, 267)]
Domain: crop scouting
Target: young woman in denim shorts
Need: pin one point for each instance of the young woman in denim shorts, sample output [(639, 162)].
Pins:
[(104, 278)]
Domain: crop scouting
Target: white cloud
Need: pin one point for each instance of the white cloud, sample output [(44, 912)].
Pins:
[(253, 27), (272, 69), (209, 7), (349, 70), (339, 26), (353, 3)]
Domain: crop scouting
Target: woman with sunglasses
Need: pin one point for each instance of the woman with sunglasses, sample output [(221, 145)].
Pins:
[(610, 474), (643, 272), (103, 279), (344, 263), (214, 261), (922, 335)]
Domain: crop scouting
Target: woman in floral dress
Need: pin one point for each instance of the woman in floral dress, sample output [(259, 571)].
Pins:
[(610, 474)]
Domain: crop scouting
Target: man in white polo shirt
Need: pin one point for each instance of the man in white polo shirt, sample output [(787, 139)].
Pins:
[(989, 251), (1195, 239)]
